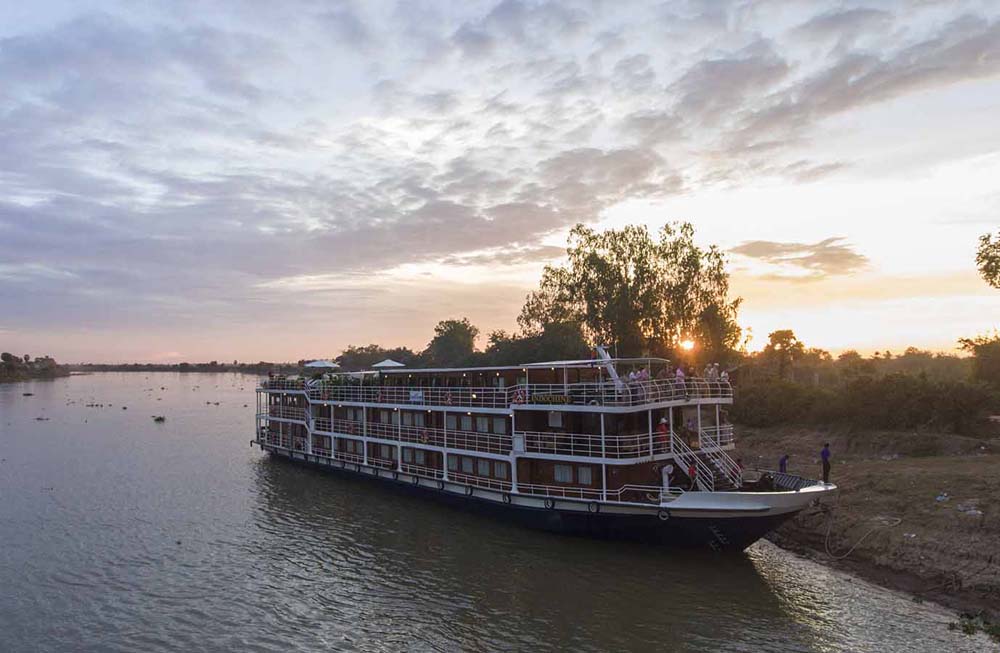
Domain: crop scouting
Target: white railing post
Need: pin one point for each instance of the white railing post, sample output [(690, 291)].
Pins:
[(364, 434), (649, 414), (444, 446), (604, 463)]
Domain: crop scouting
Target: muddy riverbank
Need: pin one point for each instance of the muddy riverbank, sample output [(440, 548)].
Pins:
[(915, 512)]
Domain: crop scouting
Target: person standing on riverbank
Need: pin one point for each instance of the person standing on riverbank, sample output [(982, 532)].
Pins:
[(825, 457), (783, 464)]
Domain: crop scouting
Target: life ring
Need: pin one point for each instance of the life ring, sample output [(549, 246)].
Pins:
[(663, 515), (423, 437), (519, 396), (506, 497), (594, 507), (447, 398), (468, 490), (550, 504)]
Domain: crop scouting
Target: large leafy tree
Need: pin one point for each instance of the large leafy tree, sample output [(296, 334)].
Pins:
[(638, 294), (986, 357), (988, 259), (454, 343)]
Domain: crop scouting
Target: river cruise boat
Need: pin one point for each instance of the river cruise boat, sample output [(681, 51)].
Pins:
[(613, 448)]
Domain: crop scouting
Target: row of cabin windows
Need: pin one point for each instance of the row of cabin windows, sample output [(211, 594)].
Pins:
[(564, 474), (465, 422), (479, 467), (453, 422), (415, 456)]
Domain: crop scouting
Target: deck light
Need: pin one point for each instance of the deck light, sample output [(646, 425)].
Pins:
[(473, 395)]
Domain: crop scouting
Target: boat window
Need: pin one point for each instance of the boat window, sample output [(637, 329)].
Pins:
[(407, 455), (383, 416), (418, 419), (407, 419), (483, 424), (451, 423), (500, 470), (466, 465), (453, 463), (563, 474), (466, 422), (483, 469), (500, 425), (584, 476), (555, 418), (421, 457), (384, 451)]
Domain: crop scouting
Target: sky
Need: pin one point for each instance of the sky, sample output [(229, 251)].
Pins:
[(256, 180)]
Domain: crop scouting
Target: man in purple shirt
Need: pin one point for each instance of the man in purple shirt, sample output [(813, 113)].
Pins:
[(825, 456)]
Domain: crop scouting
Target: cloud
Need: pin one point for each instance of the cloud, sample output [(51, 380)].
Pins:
[(804, 261)]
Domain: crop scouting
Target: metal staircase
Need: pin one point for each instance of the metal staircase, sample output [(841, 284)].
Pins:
[(685, 455), (726, 472)]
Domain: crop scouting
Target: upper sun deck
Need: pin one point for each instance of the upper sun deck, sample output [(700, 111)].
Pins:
[(583, 385)]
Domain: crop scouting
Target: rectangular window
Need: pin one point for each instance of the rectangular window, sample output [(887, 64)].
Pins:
[(483, 468), (407, 419), (418, 419), (555, 418), (452, 463), (407, 455), (500, 425), (584, 476), (483, 424), (500, 470), (451, 423), (466, 465), (466, 422), (420, 457), (563, 474), (383, 416), (384, 451)]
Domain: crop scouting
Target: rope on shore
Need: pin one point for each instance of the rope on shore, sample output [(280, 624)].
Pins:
[(891, 523)]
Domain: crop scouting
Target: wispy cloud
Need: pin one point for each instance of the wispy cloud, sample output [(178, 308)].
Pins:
[(804, 261)]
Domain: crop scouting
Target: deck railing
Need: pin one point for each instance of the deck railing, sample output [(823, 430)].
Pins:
[(287, 412), (716, 436), (635, 445), (423, 470), (606, 393)]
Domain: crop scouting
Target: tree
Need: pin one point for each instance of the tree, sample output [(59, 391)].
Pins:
[(557, 341), (454, 343), (363, 357), (988, 259), (782, 349), (985, 350), (636, 294)]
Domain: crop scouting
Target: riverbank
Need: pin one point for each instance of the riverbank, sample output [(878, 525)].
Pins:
[(943, 489)]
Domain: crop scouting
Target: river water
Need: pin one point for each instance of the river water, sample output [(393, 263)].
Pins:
[(121, 534)]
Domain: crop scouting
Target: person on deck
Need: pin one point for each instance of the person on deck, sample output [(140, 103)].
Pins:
[(825, 457), (783, 464), (693, 475), (663, 434)]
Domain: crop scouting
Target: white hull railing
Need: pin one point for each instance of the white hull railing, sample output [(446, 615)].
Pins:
[(481, 481), (422, 470)]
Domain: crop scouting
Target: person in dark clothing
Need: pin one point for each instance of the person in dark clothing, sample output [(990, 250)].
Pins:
[(783, 464), (825, 456)]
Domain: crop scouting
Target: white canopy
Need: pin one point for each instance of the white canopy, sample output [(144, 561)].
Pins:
[(326, 364), (389, 363)]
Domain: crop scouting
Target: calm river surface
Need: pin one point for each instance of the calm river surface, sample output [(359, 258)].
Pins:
[(121, 534)]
